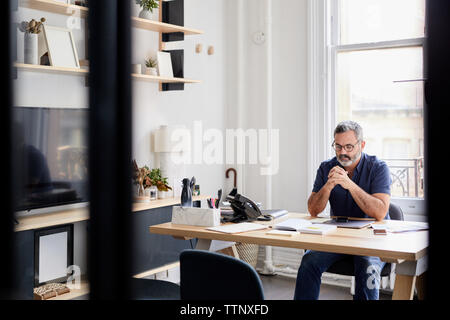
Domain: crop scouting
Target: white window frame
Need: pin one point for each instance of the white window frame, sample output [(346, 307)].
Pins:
[(323, 35)]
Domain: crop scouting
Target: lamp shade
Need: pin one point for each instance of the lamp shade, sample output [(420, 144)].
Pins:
[(172, 139)]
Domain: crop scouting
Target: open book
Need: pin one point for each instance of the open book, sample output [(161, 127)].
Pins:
[(293, 224), (304, 226)]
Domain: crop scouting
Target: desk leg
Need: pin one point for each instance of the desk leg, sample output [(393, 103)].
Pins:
[(406, 277), (404, 287), (420, 286)]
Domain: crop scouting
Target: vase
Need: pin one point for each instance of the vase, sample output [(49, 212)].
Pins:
[(146, 14), (151, 71), (31, 48), (137, 68), (162, 194)]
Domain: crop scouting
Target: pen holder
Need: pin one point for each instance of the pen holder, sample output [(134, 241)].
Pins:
[(201, 217)]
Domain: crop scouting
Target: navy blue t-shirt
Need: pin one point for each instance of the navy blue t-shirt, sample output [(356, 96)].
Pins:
[(371, 174)]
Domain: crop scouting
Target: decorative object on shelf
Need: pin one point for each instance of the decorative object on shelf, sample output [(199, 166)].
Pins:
[(210, 50), (31, 31), (196, 190), (82, 3), (147, 8), (186, 193), (164, 64), (137, 68), (50, 290), (60, 46), (153, 193), (150, 67), (139, 179), (156, 179)]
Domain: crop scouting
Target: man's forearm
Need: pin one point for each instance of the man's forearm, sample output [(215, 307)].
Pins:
[(371, 205), (318, 201)]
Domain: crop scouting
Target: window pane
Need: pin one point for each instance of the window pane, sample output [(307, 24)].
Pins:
[(390, 112), (380, 20)]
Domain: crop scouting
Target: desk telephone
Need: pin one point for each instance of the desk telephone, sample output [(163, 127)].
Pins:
[(245, 209)]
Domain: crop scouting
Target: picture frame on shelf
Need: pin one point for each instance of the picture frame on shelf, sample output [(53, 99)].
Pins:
[(60, 45), (164, 64)]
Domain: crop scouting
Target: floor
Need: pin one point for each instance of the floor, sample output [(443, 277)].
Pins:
[(282, 288)]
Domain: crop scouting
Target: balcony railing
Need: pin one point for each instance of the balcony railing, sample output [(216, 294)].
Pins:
[(407, 177)]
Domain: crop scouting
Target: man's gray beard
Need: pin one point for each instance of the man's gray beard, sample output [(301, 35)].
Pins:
[(349, 162)]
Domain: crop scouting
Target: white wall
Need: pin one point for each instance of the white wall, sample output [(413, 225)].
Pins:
[(205, 102), (253, 94)]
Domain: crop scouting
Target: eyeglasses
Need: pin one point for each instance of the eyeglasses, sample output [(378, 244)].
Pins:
[(347, 147)]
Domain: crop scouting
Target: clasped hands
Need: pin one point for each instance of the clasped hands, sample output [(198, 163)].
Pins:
[(338, 175)]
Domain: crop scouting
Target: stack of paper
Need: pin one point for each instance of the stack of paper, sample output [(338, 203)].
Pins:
[(318, 229)]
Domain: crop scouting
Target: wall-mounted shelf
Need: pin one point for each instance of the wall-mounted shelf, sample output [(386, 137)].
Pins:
[(85, 72), (70, 9), (159, 79), (175, 31), (55, 7), (51, 69), (162, 27)]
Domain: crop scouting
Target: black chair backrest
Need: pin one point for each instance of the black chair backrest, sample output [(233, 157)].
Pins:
[(395, 212), (206, 275)]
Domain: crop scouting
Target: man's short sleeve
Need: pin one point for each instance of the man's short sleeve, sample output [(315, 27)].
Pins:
[(381, 179), (320, 179)]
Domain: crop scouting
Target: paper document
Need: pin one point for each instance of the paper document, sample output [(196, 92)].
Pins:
[(318, 228), (408, 227), (293, 224), (238, 227)]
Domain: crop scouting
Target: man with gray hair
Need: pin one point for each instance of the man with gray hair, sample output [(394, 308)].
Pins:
[(356, 185)]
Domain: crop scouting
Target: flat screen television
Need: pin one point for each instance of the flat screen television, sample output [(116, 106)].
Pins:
[(50, 158)]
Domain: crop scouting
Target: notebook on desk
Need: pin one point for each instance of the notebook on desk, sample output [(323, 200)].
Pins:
[(352, 224), (275, 213)]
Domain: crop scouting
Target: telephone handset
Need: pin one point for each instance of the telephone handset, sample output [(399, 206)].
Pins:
[(245, 209)]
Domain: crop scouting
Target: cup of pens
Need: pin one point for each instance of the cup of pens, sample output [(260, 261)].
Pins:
[(215, 202)]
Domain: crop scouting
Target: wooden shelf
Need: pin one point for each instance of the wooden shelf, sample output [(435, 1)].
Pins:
[(82, 214), (85, 72), (79, 11), (74, 293), (51, 69), (55, 7), (162, 27), (162, 79)]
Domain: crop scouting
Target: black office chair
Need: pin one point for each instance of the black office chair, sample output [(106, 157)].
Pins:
[(345, 266), (152, 289), (206, 275)]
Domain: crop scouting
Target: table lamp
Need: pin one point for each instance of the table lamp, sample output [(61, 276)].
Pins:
[(172, 143)]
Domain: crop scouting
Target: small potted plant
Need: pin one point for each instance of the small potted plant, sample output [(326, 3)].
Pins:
[(147, 8), (150, 65), (160, 182), (31, 30)]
